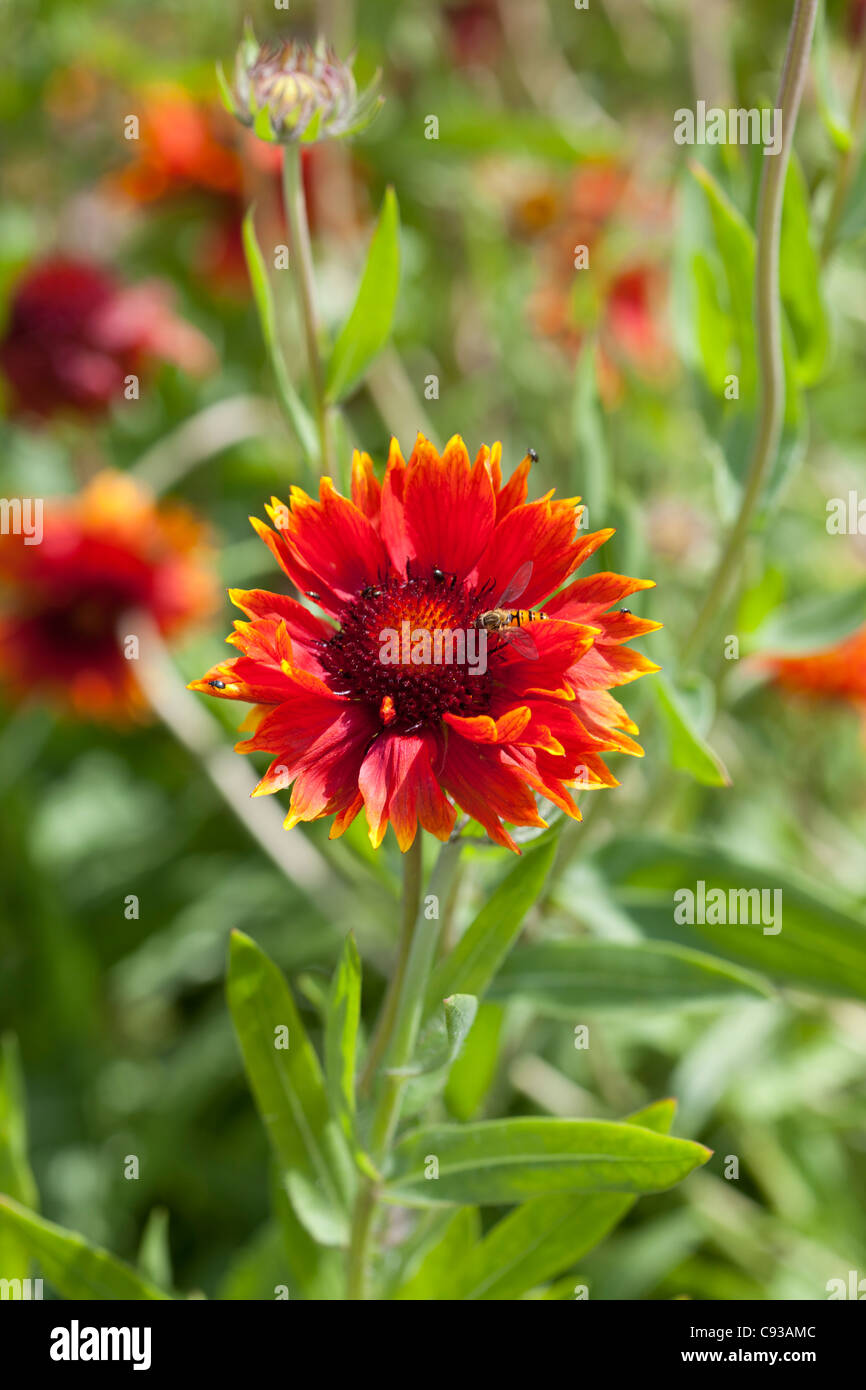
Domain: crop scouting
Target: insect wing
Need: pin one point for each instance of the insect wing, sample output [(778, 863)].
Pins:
[(515, 586), (521, 640)]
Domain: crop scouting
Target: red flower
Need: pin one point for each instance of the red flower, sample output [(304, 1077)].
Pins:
[(620, 295), (411, 739), (74, 335), (105, 553), (838, 673)]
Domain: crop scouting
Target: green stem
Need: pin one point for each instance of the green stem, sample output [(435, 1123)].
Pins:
[(412, 874), (302, 265), (397, 1036), (848, 158), (771, 376)]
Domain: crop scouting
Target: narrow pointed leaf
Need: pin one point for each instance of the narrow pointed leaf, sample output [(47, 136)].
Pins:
[(559, 977), (480, 951), (546, 1235), (16, 1177), (296, 412), (74, 1267), (495, 1162), (341, 1036), (286, 1080), (368, 327)]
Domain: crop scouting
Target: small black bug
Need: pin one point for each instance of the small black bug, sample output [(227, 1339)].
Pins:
[(217, 685)]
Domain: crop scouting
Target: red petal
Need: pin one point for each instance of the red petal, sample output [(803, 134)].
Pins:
[(484, 786), (334, 540), (449, 508), (398, 784), (586, 598)]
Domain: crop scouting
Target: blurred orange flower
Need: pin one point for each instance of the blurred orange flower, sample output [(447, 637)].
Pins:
[(838, 673), (74, 334), (107, 552), (189, 147)]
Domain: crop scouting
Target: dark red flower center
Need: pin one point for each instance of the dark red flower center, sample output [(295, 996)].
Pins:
[(411, 648)]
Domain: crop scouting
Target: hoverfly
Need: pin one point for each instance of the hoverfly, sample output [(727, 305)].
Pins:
[(511, 623)]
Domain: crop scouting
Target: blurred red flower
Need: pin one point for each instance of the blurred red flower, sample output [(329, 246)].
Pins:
[(620, 295), (411, 740), (109, 551), (74, 334), (475, 31)]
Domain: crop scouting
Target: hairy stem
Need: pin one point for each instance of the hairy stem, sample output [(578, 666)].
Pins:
[(412, 873), (768, 326), (302, 266), (397, 1035)]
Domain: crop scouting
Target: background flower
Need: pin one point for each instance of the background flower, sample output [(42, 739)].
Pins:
[(105, 554), (74, 335)]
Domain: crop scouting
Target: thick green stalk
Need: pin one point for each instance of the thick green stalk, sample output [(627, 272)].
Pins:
[(302, 267), (768, 320), (412, 874), (396, 1039)]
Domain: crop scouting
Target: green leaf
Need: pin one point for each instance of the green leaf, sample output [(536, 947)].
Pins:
[(296, 412), (16, 1177), (688, 749), (481, 950), (735, 245), (472, 1073), (341, 1037), (257, 1269), (546, 1235), (713, 327), (438, 1047), (154, 1251), (800, 280), (311, 1270), (368, 327), (494, 1162), (286, 1080), (561, 977), (734, 421), (433, 1277), (325, 1222), (75, 1268), (226, 94), (818, 941), (812, 624), (830, 106)]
